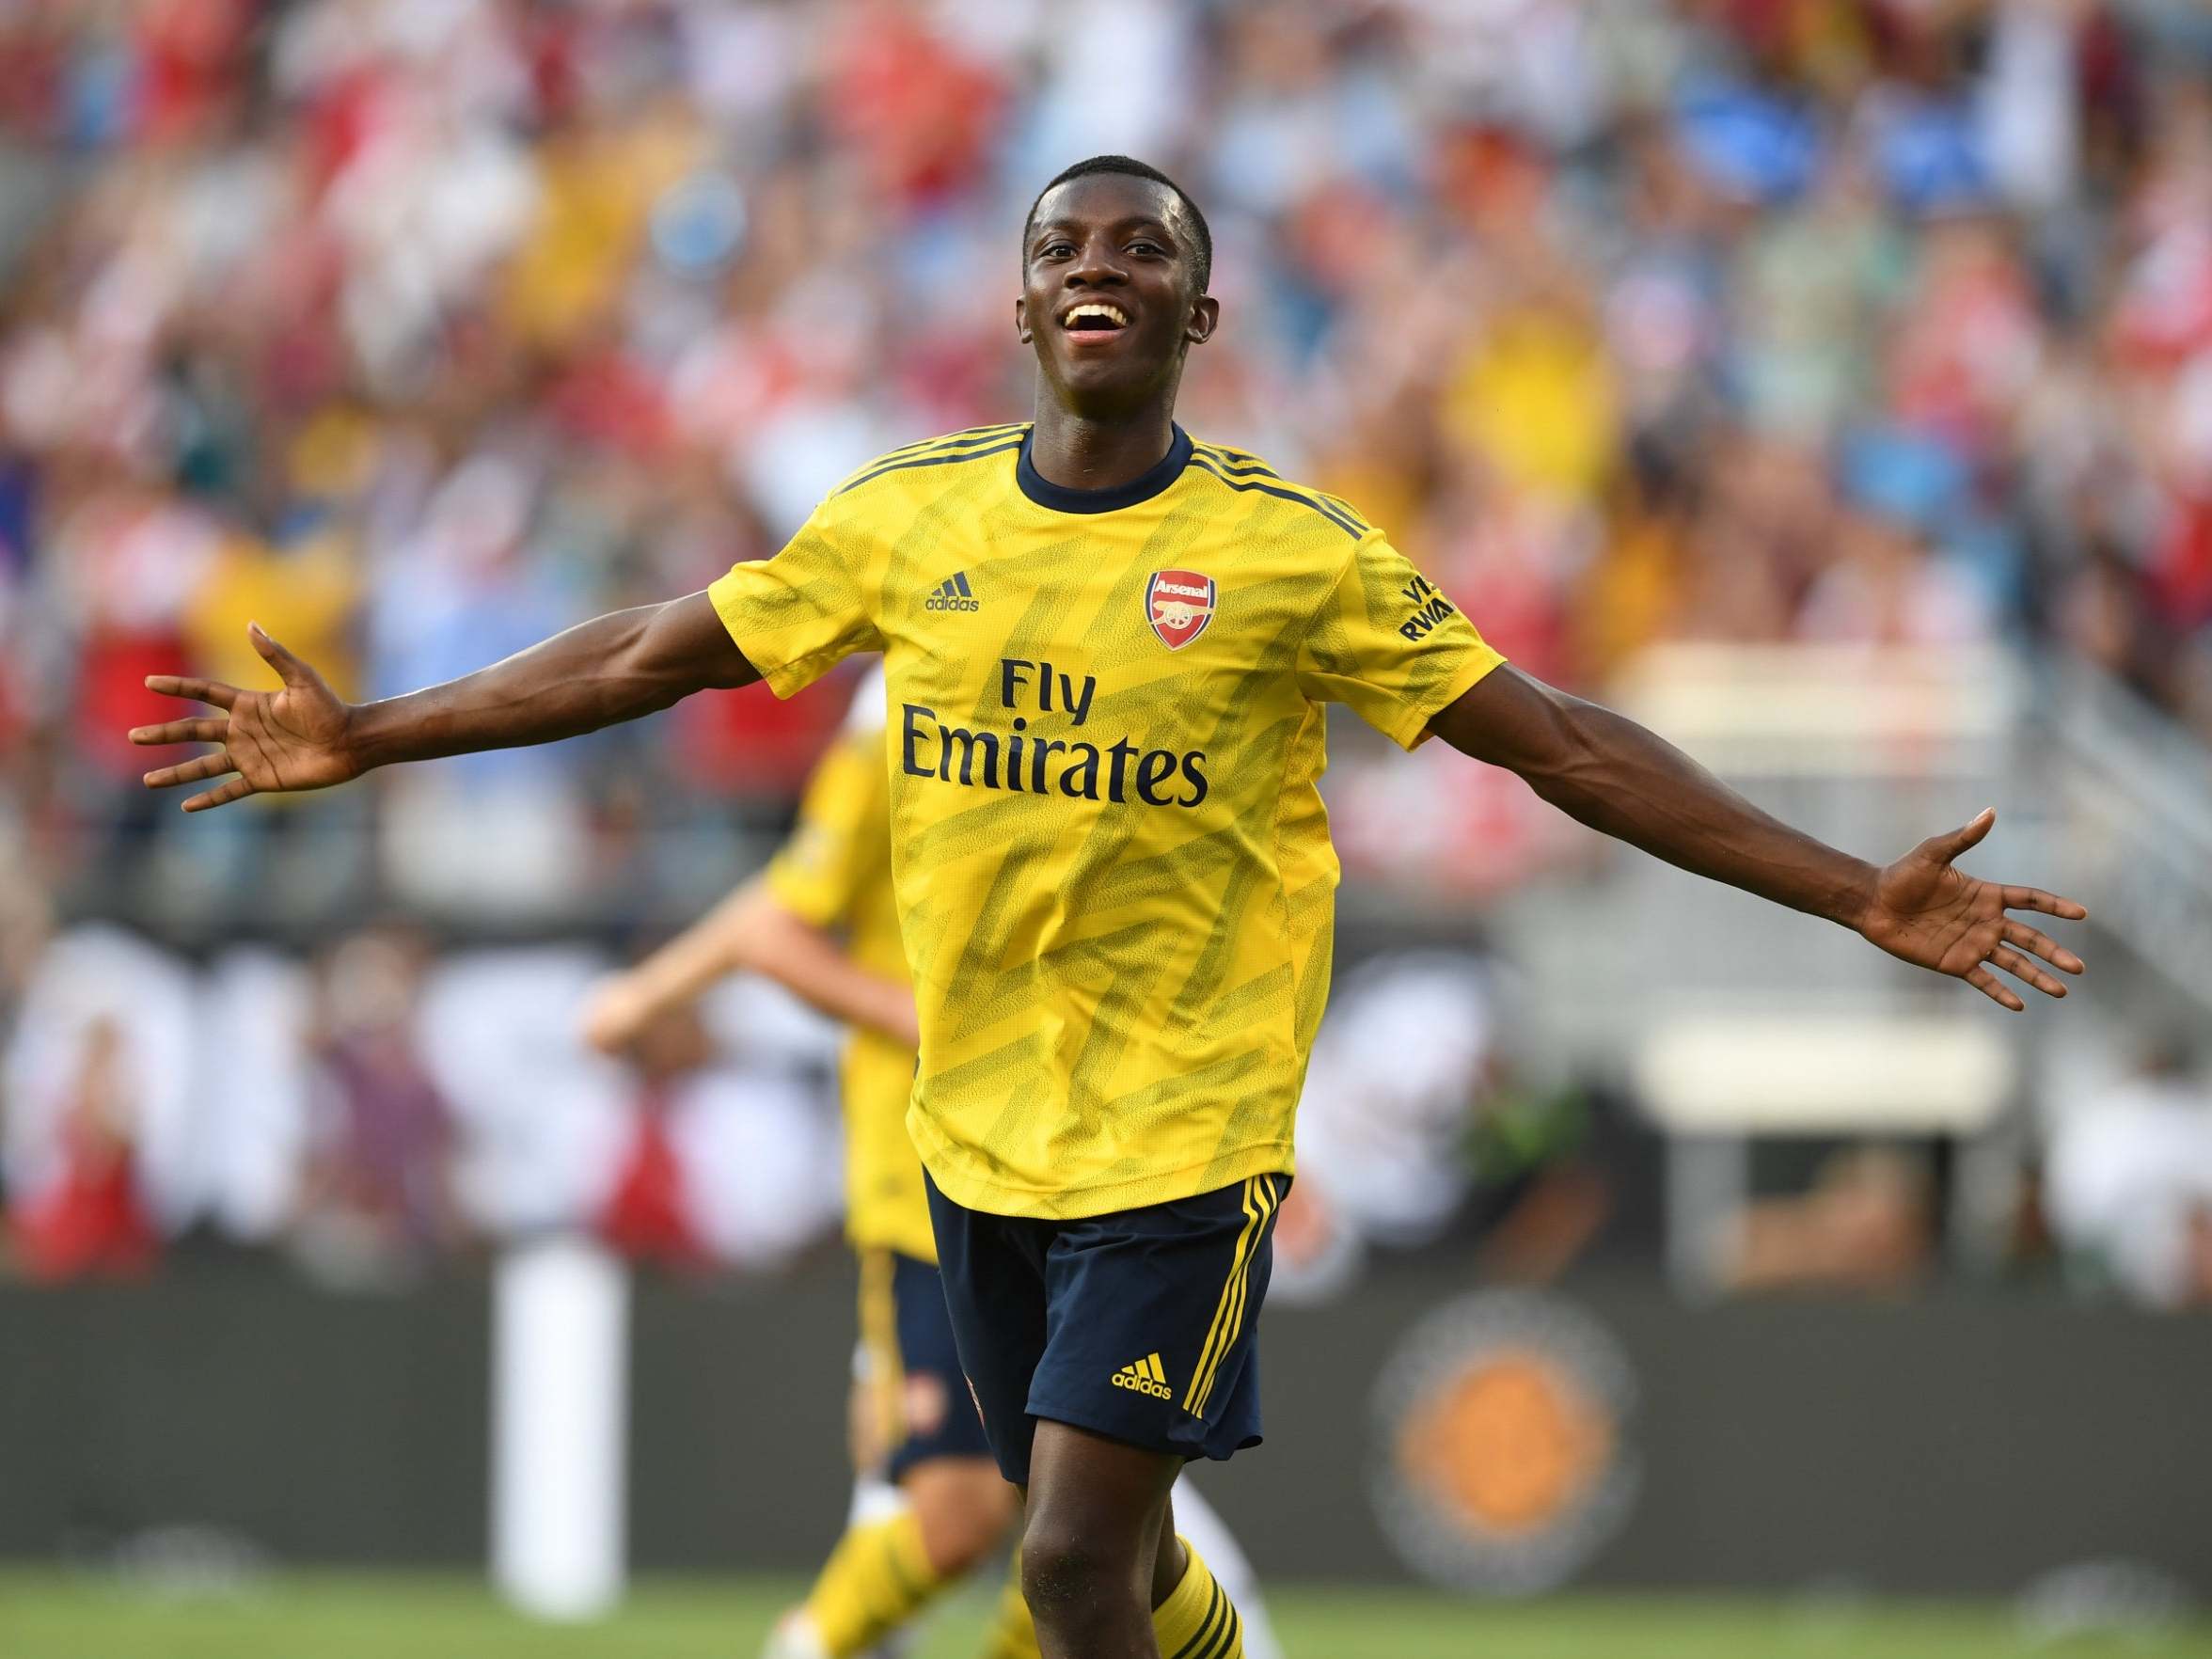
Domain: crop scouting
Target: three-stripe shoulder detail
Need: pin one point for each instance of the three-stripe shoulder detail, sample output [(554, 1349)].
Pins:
[(966, 434), (970, 445), (1240, 471)]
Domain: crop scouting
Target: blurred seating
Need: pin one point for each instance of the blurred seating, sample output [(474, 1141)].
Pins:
[(417, 333), (1661, 334)]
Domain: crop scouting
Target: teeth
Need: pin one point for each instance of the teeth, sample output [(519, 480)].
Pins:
[(1112, 314)]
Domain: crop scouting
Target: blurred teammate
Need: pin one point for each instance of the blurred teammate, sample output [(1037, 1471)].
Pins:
[(823, 921), (1108, 649)]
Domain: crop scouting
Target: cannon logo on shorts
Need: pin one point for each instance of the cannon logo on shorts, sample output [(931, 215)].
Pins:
[(1180, 604), (1145, 1376)]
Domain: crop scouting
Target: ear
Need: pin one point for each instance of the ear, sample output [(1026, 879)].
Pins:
[(1205, 317), (1022, 320)]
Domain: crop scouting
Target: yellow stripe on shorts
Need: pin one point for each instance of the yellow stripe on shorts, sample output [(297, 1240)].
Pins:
[(1259, 1200)]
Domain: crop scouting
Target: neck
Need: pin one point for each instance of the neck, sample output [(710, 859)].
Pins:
[(1097, 453)]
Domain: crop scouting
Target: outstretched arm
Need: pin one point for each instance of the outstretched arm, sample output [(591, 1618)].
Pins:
[(1610, 773), (749, 931), (303, 736)]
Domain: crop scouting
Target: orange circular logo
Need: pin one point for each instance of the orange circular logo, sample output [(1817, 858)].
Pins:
[(1513, 1442), (1504, 1463)]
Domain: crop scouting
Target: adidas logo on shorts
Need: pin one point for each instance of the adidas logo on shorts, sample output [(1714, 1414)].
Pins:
[(1145, 1376), (952, 593)]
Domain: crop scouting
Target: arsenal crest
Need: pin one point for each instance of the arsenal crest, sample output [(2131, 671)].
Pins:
[(1180, 603)]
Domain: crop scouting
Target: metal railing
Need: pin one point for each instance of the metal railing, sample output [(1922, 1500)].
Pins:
[(2134, 792)]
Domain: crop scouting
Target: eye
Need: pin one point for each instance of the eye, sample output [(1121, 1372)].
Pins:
[(1055, 250), (1147, 247)]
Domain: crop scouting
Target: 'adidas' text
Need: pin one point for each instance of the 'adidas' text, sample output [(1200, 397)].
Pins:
[(1145, 1376), (952, 593)]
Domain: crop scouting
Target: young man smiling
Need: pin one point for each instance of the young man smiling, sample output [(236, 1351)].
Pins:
[(1112, 867)]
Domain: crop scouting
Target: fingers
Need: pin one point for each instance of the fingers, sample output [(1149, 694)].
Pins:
[(195, 691), (1944, 848), (1981, 979), (2050, 904), (237, 789), (205, 729), (2022, 968), (2027, 939), (288, 668), (191, 771)]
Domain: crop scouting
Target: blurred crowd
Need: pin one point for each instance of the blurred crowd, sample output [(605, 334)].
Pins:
[(385, 1109), (416, 328)]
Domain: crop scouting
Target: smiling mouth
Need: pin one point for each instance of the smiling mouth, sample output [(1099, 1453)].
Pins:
[(1094, 319)]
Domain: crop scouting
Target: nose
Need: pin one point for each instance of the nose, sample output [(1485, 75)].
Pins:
[(1097, 267)]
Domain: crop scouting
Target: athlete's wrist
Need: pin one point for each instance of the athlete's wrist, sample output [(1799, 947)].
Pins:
[(1853, 902), (373, 734)]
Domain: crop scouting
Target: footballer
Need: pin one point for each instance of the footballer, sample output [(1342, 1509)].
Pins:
[(1108, 649)]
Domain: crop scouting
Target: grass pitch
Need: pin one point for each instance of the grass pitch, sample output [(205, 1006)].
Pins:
[(48, 1616)]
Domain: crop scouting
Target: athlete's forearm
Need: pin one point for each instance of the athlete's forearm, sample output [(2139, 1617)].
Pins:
[(749, 931), (1605, 770), (710, 949), (1632, 783), (768, 940), (613, 668)]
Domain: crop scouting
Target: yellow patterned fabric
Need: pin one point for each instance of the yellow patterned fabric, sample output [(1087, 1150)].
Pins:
[(1198, 1621), (835, 873), (1105, 736)]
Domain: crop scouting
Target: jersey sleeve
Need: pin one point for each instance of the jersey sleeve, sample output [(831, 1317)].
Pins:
[(839, 840), (1390, 646), (797, 615)]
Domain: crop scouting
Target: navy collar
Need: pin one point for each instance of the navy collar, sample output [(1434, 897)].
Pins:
[(1061, 498)]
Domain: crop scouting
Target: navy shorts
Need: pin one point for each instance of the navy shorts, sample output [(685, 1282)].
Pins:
[(1139, 1325), (913, 1364)]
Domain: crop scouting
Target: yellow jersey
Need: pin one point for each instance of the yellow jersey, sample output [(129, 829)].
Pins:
[(834, 871), (1105, 732)]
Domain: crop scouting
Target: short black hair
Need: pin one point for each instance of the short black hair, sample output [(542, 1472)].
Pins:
[(1135, 169)]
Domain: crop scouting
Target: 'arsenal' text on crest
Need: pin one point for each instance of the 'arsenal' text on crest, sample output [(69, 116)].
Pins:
[(1180, 603)]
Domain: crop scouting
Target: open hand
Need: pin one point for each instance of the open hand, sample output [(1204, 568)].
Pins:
[(273, 741), (1933, 916)]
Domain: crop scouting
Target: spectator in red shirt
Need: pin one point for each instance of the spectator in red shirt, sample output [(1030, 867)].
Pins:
[(89, 1218)]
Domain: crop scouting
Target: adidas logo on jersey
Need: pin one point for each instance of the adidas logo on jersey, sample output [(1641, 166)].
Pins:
[(1145, 1376), (952, 593)]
